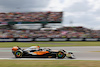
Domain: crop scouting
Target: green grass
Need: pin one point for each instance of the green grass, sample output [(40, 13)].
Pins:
[(48, 44), (48, 63)]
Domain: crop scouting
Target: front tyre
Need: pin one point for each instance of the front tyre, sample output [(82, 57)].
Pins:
[(60, 55), (18, 54)]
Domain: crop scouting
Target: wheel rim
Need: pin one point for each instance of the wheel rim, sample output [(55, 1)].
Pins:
[(60, 54), (18, 54)]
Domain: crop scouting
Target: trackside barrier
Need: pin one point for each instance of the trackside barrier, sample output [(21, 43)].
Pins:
[(46, 39), (7, 39)]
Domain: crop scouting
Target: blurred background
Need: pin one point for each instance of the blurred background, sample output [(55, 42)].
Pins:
[(49, 19)]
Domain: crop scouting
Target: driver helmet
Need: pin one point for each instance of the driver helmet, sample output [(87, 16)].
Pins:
[(38, 47)]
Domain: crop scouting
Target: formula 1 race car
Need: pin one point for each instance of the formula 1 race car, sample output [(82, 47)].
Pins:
[(36, 52)]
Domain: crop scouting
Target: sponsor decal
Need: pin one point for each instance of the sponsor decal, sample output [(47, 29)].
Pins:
[(27, 39), (42, 39), (91, 39), (6, 39), (59, 39), (75, 39)]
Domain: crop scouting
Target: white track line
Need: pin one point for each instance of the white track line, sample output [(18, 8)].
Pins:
[(43, 59)]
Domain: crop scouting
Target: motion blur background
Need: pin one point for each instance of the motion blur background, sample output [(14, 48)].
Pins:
[(49, 19)]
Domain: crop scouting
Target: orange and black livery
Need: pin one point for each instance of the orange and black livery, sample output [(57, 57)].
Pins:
[(37, 52)]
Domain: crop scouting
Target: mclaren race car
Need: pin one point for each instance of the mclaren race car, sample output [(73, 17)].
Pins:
[(36, 52)]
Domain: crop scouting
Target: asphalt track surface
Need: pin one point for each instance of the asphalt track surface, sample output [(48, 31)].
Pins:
[(81, 53)]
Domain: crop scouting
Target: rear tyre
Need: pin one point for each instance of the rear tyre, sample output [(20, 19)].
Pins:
[(18, 54), (60, 55)]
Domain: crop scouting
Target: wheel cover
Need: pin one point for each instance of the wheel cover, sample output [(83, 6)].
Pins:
[(18, 54), (60, 54)]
